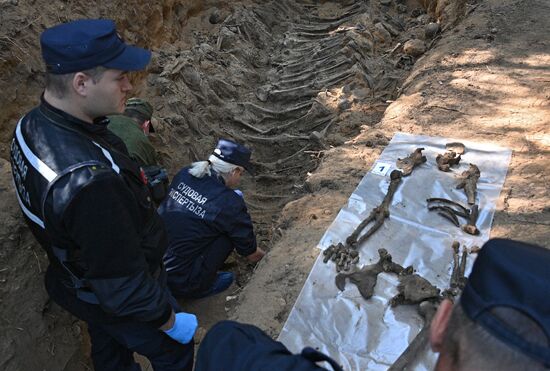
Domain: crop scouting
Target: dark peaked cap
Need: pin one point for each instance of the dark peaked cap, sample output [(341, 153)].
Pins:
[(234, 153), (514, 275), (88, 43)]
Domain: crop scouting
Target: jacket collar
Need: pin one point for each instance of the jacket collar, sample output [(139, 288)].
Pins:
[(96, 131), (99, 126)]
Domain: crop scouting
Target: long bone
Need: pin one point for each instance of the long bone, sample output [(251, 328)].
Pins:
[(312, 73), (306, 64), (349, 14), (281, 114), (468, 182), (311, 124), (377, 215), (317, 115), (308, 48), (308, 90)]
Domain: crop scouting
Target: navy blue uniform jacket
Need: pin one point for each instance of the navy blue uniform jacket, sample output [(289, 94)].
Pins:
[(196, 212)]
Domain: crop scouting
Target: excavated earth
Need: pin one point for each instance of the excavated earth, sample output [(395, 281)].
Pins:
[(317, 89)]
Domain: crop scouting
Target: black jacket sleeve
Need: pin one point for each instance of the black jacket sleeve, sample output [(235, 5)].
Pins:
[(103, 221)]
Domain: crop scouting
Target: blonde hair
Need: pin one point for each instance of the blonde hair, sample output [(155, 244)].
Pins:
[(201, 168)]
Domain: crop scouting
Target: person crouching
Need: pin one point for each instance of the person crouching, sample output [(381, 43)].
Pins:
[(205, 220)]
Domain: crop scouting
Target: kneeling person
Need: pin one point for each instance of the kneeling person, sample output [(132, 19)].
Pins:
[(205, 220)]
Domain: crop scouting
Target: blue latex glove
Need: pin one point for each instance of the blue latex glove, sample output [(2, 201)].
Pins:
[(184, 328), (239, 192)]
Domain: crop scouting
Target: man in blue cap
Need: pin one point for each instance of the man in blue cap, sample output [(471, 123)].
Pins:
[(502, 319), (87, 204), (205, 220)]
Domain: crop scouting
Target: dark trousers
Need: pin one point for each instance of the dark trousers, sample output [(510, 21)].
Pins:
[(113, 344), (204, 270)]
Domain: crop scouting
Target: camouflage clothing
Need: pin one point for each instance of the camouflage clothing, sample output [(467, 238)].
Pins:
[(136, 141)]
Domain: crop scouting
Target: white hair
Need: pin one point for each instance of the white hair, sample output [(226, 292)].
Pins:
[(201, 168)]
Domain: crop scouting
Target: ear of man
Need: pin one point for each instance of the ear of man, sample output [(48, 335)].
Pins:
[(80, 83), (439, 324)]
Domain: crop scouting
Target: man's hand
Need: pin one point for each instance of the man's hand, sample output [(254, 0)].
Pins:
[(183, 327), (256, 256)]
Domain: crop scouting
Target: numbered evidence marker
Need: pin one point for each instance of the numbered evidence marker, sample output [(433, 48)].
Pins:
[(381, 168)]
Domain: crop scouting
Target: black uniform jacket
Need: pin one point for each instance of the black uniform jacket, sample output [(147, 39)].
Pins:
[(80, 192)]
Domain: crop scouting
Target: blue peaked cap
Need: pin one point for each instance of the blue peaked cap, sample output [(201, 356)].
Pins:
[(514, 275), (234, 153), (88, 43)]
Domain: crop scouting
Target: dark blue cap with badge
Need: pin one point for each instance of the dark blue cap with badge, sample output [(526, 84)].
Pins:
[(516, 275), (234, 153), (88, 43)]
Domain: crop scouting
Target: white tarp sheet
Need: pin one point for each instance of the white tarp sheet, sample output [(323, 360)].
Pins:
[(368, 334)]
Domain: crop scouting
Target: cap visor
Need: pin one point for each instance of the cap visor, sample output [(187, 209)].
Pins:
[(131, 59), (250, 169)]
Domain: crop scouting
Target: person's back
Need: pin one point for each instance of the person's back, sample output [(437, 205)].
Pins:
[(132, 127), (196, 212), (205, 220), (139, 146)]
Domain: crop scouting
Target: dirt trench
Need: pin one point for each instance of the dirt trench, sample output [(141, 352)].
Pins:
[(303, 83)]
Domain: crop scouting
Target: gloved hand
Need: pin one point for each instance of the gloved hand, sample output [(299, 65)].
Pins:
[(239, 192), (184, 328)]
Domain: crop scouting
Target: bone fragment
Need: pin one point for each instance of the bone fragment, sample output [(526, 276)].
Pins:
[(456, 147), (365, 278), (408, 163), (446, 160), (471, 228), (377, 215), (413, 289), (468, 182)]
